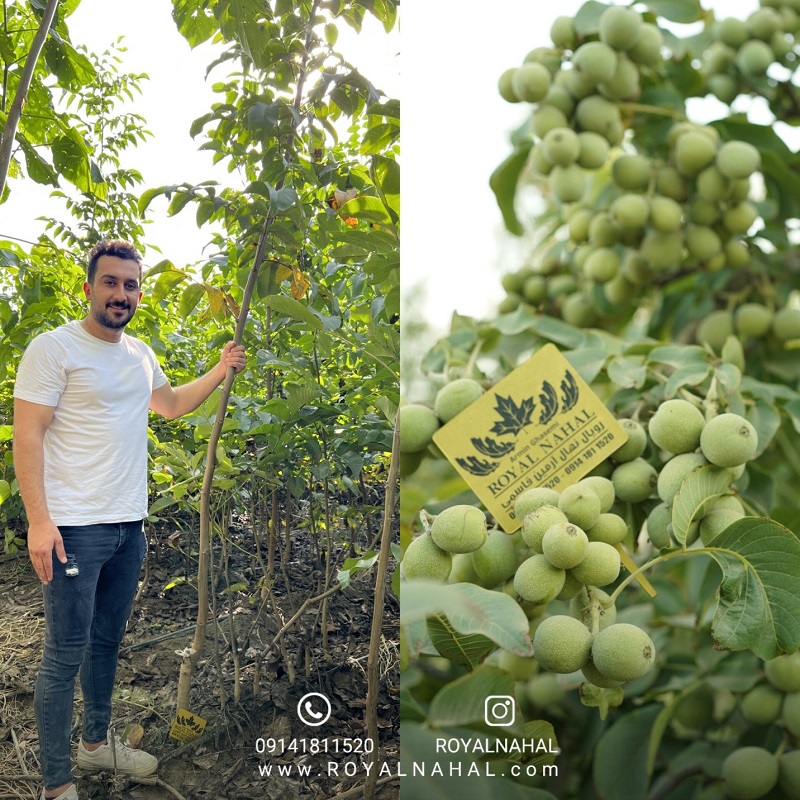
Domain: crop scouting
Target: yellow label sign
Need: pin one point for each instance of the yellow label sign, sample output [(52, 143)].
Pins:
[(187, 726), (540, 426)]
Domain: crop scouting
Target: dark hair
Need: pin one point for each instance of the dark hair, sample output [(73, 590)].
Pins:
[(112, 247)]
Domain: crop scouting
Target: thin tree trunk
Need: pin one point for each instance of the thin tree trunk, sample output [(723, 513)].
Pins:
[(15, 112), (373, 659), (192, 655)]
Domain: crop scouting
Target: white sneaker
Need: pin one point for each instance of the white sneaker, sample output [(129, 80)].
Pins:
[(116, 757), (70, 794)]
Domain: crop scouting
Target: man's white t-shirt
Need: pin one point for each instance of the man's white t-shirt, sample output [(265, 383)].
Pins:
[(95, 450)]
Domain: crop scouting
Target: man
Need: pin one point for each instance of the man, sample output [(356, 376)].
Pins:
[(80, 453)]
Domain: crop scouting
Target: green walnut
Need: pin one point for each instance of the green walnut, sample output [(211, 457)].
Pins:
[(596, 678), (630, 212), (424, 559), (595, 62), (762, 705), (537, 580), (620, 27), (636, 444), (675, 471), (754, 58), (564, 545), (603, 488), (561, 644), (753, 319), (600, 565), (496, 560), (568, 184), (538, 522), (729, 440), (623, 652), (579, 310), (581, 505), (783, 672), (695, 710), (631, 172), (790, 713), (786, 324), (634, 481), (570, 588), (693, 152), (717, 520), (738, 160), (647, 48), (561, 146), (749, 773), (463, 571), (658, 525), (544, 690), (418, 423), (789, 774), (595, 113), (562, 33), (609, 528), (455, 396), (459, 529), (581, 608), (715, 329), (676, 426), (530, 82), (532, 499), (666, 214), (594, 150)]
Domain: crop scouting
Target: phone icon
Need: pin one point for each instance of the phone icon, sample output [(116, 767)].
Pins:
[(314, 709)]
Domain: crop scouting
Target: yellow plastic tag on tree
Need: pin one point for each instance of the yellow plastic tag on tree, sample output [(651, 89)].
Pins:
[(187, 726), (540, 426)]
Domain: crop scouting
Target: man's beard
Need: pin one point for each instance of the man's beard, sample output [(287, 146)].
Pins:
[(113, 322)]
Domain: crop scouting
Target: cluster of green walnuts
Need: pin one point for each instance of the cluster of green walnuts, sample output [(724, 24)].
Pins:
[(418, 422), (753, 771), (679, 430), (572, 538), (632, 221), (743, 50)]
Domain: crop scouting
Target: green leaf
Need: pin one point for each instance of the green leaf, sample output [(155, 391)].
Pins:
[(468, 651), (503, 183), (628, 373), (282, 199), (5, 491), (366, 208), (587, 20), (294, 309), (262, 117), (466, 780), (190, 298), (683, 11), (469, 609), (463, 701), (620, 759), (688, 375), (699, 488), (766, 419), (759, 607)]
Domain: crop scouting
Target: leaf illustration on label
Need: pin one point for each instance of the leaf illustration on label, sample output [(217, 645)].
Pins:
[(476, 466), (489, 447), (513, 417), (549, 403), (569, 392)]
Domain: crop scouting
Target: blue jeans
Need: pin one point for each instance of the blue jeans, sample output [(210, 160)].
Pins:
[(85, 619)]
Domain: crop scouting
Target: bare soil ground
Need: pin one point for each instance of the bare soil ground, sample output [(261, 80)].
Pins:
[(224, 763)]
